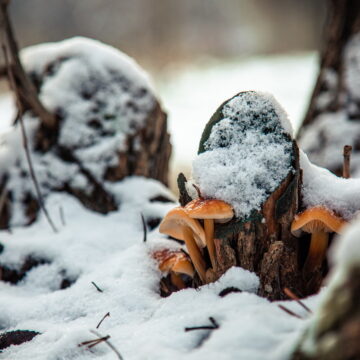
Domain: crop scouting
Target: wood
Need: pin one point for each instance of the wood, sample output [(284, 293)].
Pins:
[(346, 163), (24, 88), (266, 247), (146, 151), (336, 333), (342, 23)]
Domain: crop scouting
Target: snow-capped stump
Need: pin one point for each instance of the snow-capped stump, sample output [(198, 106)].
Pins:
[(109, 125), (248, 167), (248, 159)]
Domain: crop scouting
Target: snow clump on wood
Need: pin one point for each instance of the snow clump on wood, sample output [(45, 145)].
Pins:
[(248, 153)]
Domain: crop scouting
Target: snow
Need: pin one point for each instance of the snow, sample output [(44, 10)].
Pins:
[(109, 251), (322, 188), (248, 154), (101, 97), (338, 116)]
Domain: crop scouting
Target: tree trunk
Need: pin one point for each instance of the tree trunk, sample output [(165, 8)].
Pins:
[(333, 116)]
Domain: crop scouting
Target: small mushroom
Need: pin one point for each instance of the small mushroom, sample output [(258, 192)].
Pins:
[(210, 210), (318, 221), (175, 263), (178, 224)]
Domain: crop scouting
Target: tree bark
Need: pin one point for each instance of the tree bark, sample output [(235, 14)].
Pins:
[(264, 244), (343, 22), (336, 333)]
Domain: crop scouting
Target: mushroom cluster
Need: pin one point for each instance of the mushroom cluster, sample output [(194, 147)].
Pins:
[(184, 223)]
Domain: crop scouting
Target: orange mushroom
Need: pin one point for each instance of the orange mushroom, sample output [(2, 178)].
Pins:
[(318, 221), (178, 224), (175, 263), (210, 210)]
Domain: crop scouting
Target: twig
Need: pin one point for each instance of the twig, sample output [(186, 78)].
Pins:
[(110, 345), (3, 197), (346, 162), (294, 297), (26, 146), (214, 326), (62, 215), (197, 190), (229, 290), (23, 85), (144, 227), (288, 311), (104, 317), (91, 343), (97, 288)]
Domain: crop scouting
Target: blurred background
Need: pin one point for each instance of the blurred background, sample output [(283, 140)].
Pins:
[(198, 52)]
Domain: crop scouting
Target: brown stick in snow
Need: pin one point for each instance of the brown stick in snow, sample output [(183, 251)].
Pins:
[(25, 142), (346, 163)]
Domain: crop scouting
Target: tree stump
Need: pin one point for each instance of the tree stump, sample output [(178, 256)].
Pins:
[(333, 116), (249, 134), (109, 125)]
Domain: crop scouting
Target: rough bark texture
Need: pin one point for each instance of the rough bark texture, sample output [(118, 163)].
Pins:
[(343, 22), (333, 117), (266, 247), (337, 332)]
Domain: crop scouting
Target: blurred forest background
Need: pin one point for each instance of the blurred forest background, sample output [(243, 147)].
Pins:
[(158, 32), (198, 52)]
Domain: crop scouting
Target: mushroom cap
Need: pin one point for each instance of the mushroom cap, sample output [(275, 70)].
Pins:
[(176, 220), (175, 261), (209, 209), (316, 219)]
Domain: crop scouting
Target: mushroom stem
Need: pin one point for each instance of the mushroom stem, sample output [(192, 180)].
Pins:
[(177, 281), (209, 236), (194, 253), (317, 250)]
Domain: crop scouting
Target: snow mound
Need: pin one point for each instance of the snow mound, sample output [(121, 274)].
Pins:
[(102, 100), (321, 187), (248, 152)]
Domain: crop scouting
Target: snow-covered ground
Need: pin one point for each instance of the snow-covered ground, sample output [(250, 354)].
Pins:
[(108, 250)]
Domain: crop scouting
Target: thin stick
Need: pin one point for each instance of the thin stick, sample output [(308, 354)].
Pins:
[(26, 146), (92, 343), (346, 162), (3, 197), (214, 326), (144, 227), (282, 307), (197, 190), (294, 297), (96, 287), (110, 345), (104, 317), (62, 215)]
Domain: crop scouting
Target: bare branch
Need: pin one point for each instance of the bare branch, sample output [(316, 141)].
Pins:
[(26, 146), (23, 86)]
